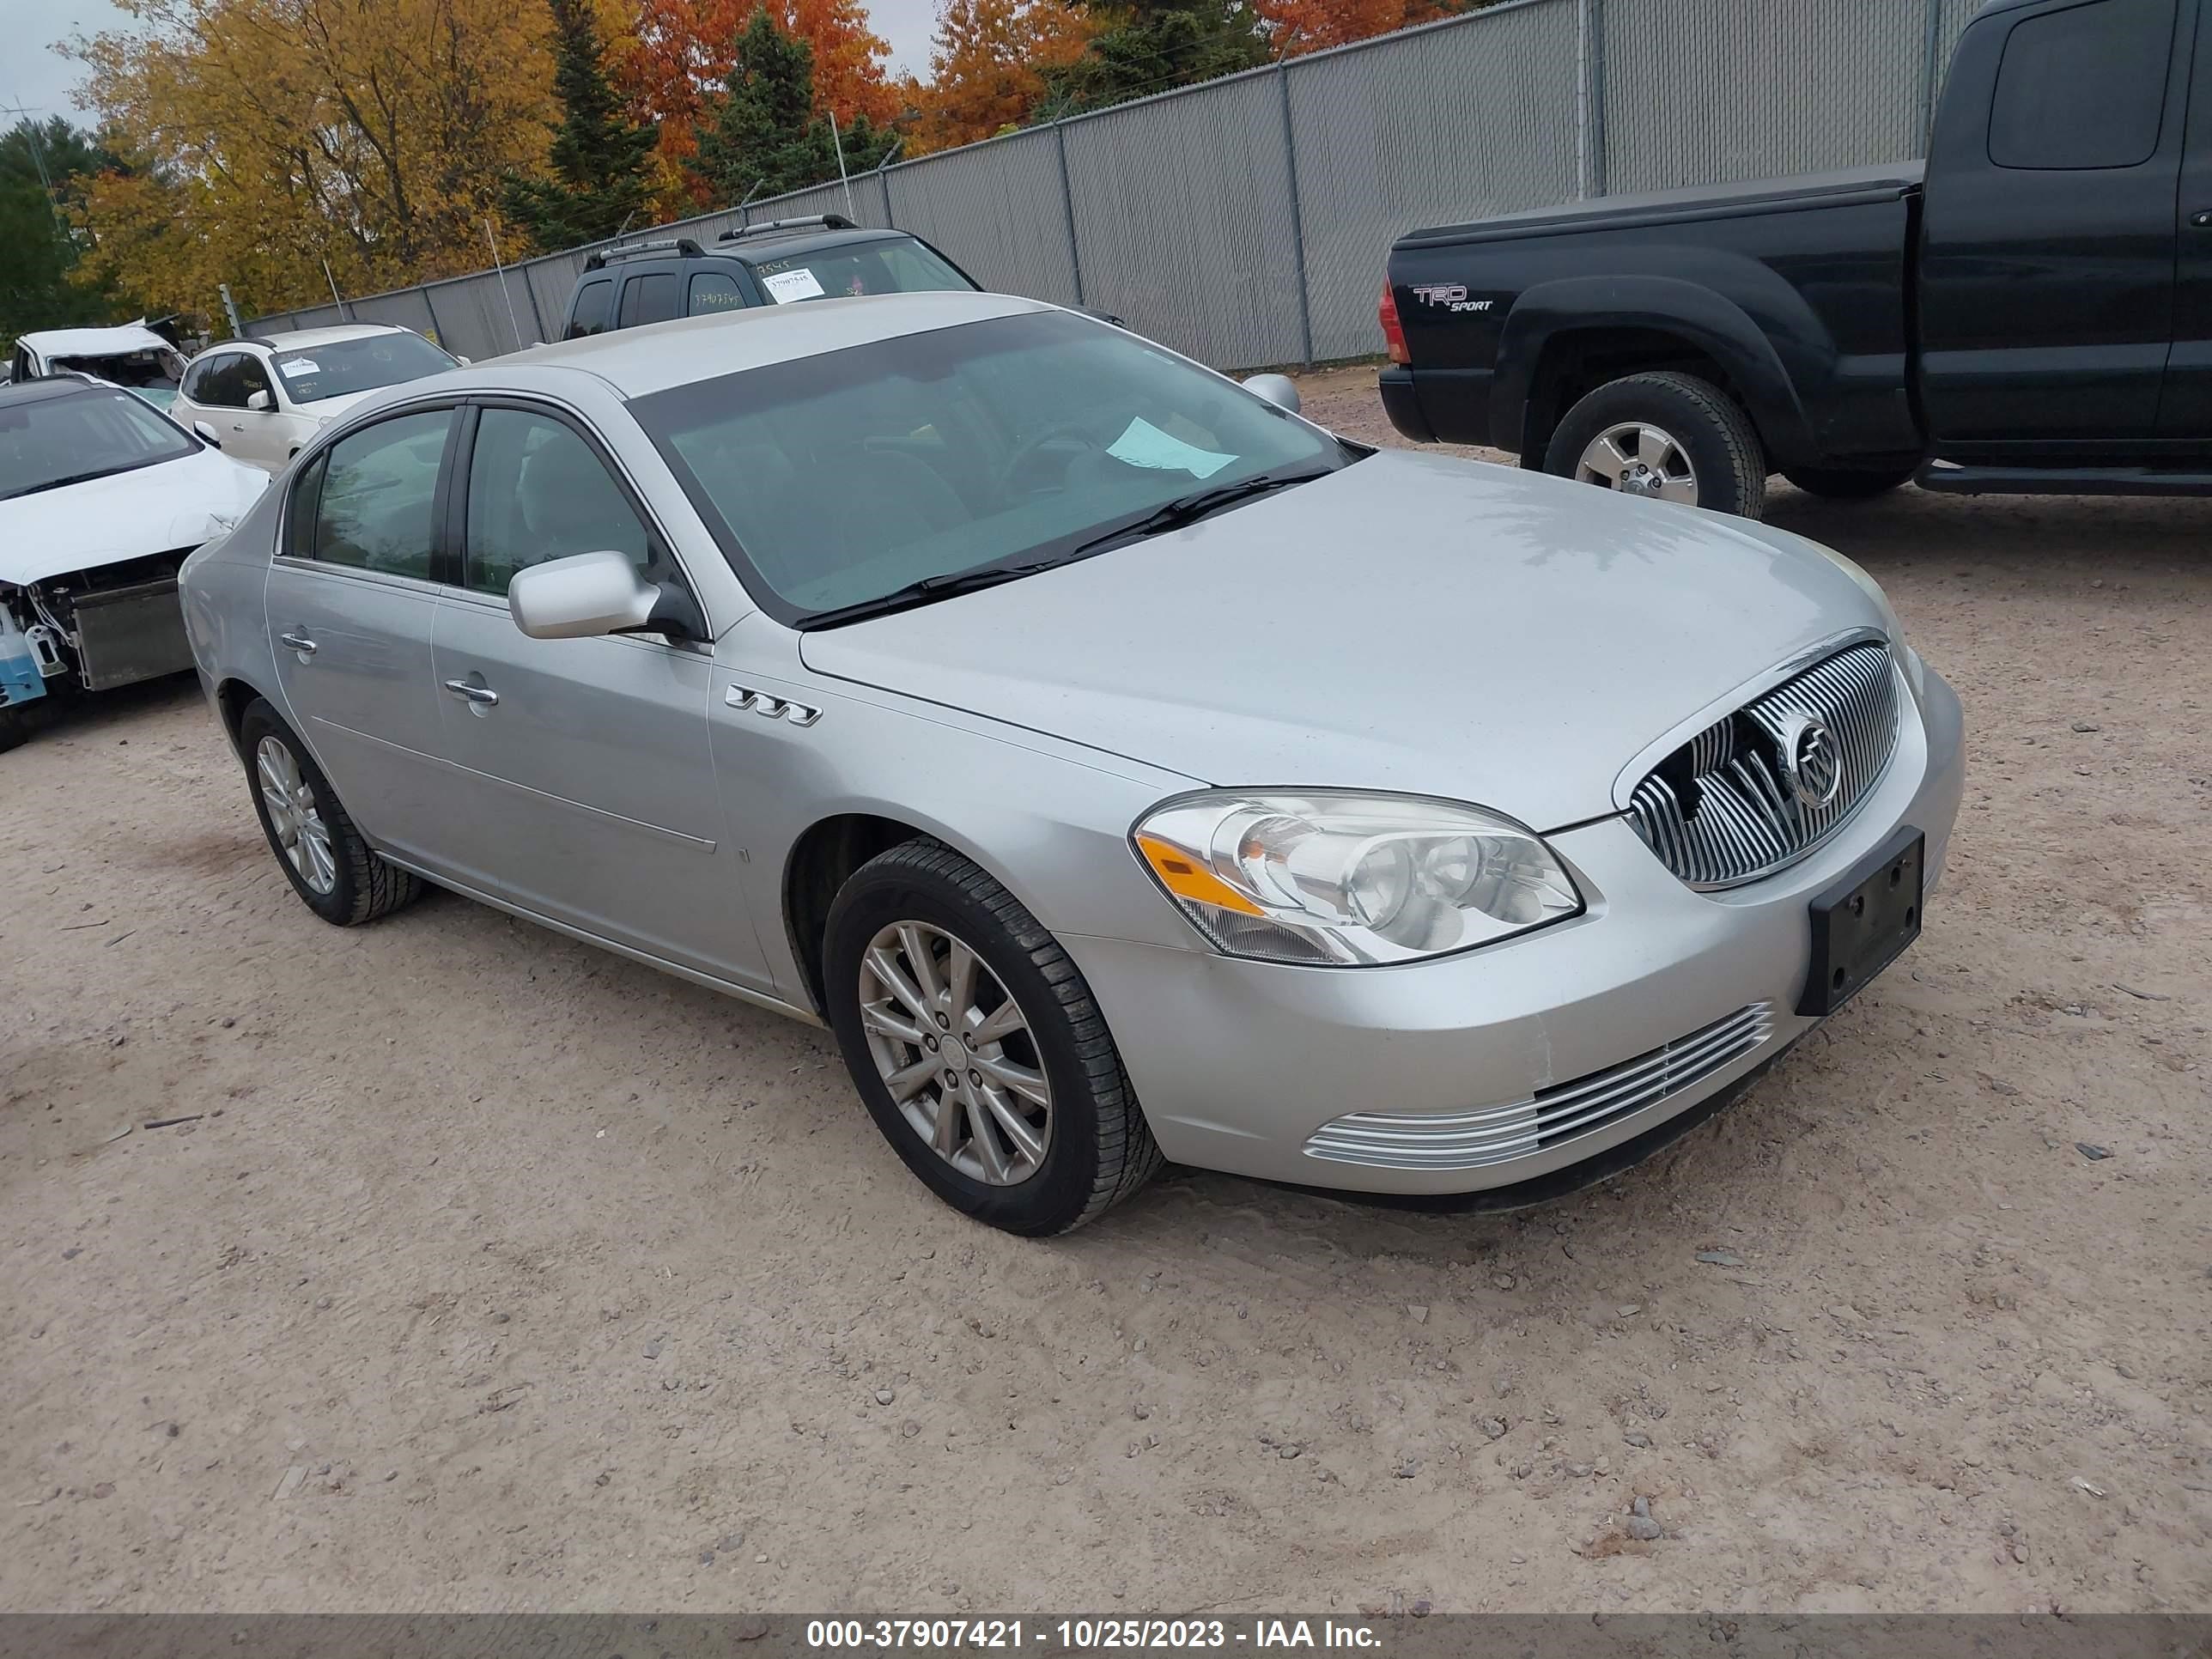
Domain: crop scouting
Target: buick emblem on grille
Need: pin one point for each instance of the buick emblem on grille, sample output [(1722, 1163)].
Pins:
[(1811, 761)]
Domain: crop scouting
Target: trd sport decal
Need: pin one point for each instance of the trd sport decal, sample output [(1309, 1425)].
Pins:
[(1452, 296)]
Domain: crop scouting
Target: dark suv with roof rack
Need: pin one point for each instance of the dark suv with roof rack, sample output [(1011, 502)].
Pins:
[(775, 263)]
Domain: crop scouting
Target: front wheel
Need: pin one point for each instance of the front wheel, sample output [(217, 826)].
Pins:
[(977, 1046), (1669, 436), (1848, 483)]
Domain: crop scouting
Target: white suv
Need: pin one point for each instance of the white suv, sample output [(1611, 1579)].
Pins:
[(260, 400)]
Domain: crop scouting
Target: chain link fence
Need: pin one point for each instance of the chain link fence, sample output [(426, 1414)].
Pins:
[(1245, 222)]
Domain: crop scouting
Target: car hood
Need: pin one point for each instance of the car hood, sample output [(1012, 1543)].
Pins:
[(150, 509), (1412, 622), (329, 409)]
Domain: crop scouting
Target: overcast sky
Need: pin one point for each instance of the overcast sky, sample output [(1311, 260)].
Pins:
[(32, 76)]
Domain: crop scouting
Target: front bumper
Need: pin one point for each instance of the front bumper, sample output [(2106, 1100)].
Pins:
[(1242, 1065)]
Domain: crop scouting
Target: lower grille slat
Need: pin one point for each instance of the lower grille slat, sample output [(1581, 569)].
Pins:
[(1775, 778), (1498, 1134)]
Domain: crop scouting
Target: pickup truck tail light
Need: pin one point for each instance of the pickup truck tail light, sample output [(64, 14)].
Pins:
[(1393, 332)]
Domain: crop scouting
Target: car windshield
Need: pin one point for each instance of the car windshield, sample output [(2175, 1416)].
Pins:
[(847, 273), (340, 367), (153, 369), (87, 435), (849, 477)]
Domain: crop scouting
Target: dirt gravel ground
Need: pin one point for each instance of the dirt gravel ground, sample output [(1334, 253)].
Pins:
[(490, 1271)]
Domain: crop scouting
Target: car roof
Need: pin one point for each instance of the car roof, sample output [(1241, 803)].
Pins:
[(299, 338), (784, 243), (638, 362), (123, 339)]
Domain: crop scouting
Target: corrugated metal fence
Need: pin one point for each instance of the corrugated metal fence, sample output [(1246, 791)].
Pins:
[(1245, 222)]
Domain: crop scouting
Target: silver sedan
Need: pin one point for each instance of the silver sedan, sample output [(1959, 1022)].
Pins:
[(1123, 766)]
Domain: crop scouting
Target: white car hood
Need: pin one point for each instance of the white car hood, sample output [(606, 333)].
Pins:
[(329, 409), (152, 509)]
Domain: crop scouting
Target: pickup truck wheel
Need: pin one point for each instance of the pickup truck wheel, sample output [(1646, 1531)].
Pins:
[(1847, 484), (1667, 436)]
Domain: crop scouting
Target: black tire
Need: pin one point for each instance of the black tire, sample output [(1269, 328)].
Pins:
[(363, 886), (14, 725), (1100, 1149), (1725, 454), (1848, 483)]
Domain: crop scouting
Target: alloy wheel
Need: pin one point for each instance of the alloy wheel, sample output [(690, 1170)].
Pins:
[(1638, 459), (293, 818), (955, 1053)]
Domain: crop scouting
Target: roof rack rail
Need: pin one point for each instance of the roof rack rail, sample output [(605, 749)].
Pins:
[(683, 247), (813, 220)]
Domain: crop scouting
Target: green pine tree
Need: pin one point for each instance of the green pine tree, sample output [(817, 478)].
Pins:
[(1154, 45), (43, 167), (600, 182), (765, 133)]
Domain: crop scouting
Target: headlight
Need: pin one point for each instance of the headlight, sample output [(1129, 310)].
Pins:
[(1344, 879)]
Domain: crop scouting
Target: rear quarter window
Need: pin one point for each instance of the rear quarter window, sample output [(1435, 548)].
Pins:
[(2082, 88), (712, 291)]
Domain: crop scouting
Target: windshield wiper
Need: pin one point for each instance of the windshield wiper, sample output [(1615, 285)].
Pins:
[(929, 589), (1186, 510), (63, 483)]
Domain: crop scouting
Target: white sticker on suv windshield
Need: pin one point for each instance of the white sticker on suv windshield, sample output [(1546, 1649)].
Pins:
[(1146, 445), (788, 285), (295, 367)]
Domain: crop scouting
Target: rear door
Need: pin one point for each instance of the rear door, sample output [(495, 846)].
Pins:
[(585, 776), (2184, 411), (350, 600), (2047, 251)]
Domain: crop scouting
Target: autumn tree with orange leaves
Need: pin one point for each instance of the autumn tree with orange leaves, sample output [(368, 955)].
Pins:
[(1297, 26), (989, 67), (681, 52)]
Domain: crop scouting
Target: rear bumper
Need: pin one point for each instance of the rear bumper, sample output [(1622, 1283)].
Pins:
[(1437, 1073), (1403, 405)]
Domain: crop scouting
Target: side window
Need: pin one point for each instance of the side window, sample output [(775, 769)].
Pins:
[(2082, 88), (300, 514), (196, 378), (250, 378), (650, 298), (376, 507), (588, 315), (536, 491), (219, 383), (713, 290)]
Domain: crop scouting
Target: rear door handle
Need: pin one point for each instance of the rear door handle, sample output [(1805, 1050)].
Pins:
[(2201, 220), (298, 642), (468, 693)]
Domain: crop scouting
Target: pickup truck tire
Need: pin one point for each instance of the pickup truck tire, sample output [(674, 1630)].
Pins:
[(1847, 484), (1698, 423)]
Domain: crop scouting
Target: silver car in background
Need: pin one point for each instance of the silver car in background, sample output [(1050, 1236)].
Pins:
[(1123, 766)]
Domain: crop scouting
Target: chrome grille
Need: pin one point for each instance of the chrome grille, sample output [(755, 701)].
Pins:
[(1726, 807), (1499, 1134)]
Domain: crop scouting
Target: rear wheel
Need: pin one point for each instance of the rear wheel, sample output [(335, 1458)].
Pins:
[(334, 871), (978, 1048), (1665, 435), (1848, 483)]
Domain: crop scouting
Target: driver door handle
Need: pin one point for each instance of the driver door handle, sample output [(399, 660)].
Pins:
[(298, 642), (468, 693), (2201, 220)]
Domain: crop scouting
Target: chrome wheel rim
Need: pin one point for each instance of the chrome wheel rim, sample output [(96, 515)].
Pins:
[(294, 818), (955, 1053), (1638, 459)]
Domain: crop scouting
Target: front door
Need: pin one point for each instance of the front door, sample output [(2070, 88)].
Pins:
[(350, 603), (590, 788), (2047, 245), (2185, 409)]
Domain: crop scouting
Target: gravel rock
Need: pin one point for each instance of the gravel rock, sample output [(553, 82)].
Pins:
[(1420, 1312), (909, 1428), (1720, 1258), (2094, 1153), (1636, 1437), (884, 1397), (1495, 1427), (1643, 1526)]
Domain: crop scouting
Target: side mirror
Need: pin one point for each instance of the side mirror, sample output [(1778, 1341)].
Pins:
[(205, 434), (580, 597), (1277, 389), (264, 402)]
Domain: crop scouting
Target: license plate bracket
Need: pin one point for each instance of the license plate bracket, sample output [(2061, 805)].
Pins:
[(1863, 922)]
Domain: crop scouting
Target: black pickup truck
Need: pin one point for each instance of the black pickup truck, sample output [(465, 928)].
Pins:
[(2030, 310)]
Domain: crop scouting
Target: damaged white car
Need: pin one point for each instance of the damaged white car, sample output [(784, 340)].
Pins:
[(100, 499), (129, 355)]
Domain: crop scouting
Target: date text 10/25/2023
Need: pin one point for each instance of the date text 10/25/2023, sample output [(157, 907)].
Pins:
[(1085, 1635)]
